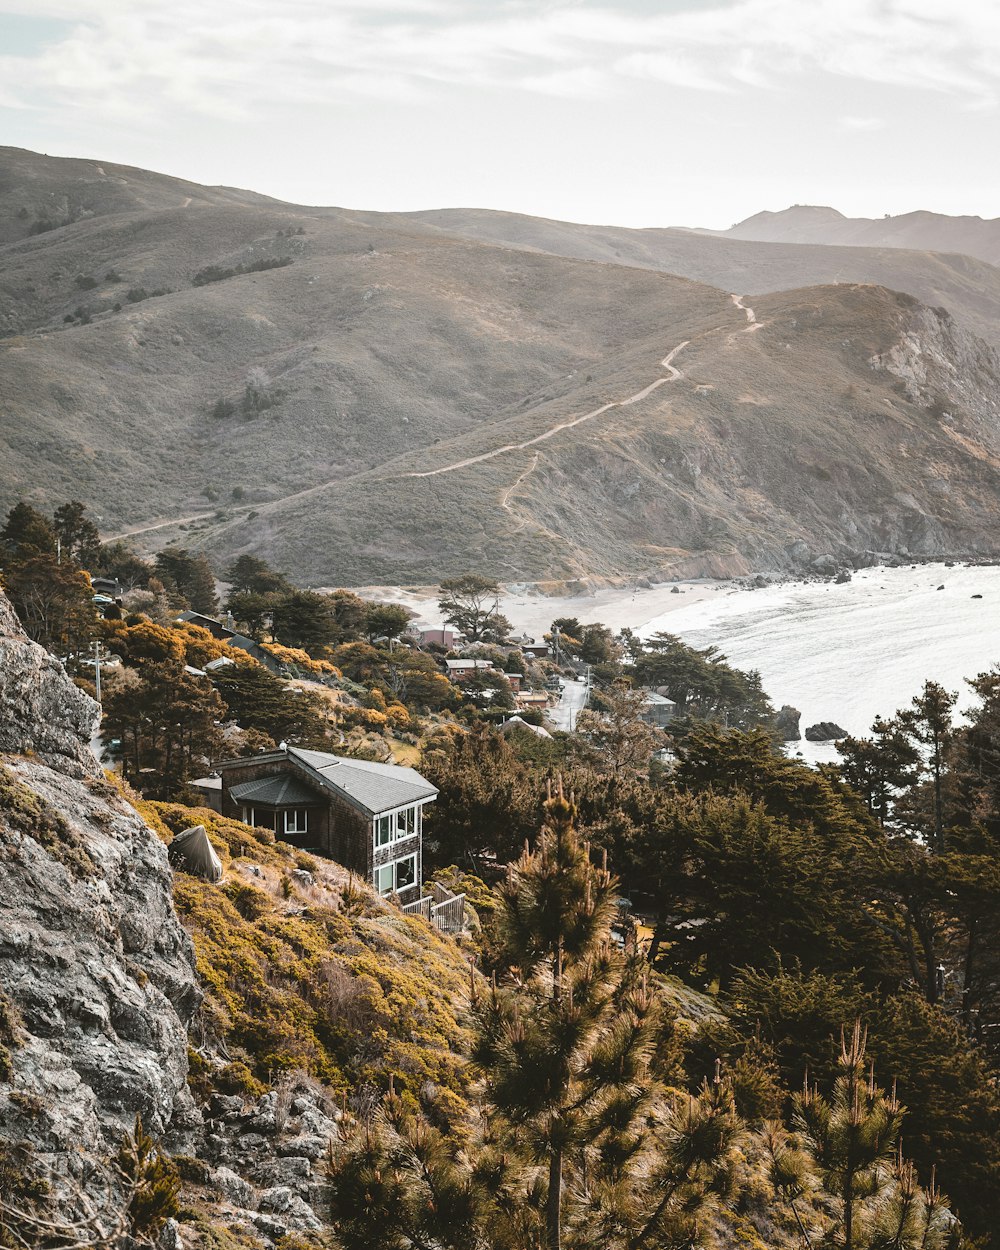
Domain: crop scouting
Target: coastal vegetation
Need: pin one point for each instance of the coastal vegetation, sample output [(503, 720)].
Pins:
[(706, 990)]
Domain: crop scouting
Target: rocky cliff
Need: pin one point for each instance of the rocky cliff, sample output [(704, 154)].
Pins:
[(97, 981)]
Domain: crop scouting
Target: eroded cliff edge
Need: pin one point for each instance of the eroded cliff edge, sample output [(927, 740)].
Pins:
[(96, 973)]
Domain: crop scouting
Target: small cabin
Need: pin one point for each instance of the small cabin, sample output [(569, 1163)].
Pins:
[(658, 710), (366, 816)]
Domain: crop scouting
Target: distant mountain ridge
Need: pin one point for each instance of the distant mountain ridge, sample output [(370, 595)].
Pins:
[(368, 397), (921, 231)]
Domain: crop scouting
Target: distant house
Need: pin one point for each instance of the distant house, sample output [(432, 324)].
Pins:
[(366, 816), (214, 627), (461, 670), (109, 586), (537, 650), (658, 710), (224, 634), (514, 723), (532, 699), (444, 638), (256, 652)]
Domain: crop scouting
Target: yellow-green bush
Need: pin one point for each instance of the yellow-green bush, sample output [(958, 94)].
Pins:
[(345, 988)]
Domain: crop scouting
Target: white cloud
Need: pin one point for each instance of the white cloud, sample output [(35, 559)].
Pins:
[(226, 57)]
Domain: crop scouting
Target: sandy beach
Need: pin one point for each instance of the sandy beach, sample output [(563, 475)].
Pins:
[(532, 612)]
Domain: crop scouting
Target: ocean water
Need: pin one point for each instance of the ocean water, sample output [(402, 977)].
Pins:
[(849, 653)]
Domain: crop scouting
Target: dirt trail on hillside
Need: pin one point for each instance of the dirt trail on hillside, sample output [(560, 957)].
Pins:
[(159, 525), (505, 498), (673, 374)]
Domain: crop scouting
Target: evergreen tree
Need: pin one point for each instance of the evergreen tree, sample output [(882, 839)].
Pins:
[(167, 722), (854, 1138), (880, 767), (259, 700), (472, 604), (249, 575), (190, 574), (928, 723), (576, 1143), (78, 535), (25, 535), (305, 619)]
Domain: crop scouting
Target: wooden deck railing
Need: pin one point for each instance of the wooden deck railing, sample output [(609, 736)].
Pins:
[(441, 908)]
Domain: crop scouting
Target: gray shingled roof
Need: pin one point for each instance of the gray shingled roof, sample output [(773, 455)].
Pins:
[(280, 791), (373, 787)]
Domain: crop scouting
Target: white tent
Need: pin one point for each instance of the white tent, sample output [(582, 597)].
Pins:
[(192, 852)]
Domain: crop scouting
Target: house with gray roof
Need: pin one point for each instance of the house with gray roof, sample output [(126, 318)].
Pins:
[(366, 816)]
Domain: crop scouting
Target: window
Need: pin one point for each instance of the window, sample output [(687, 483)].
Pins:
[(397, 876), (406, 872), (383, 830), (396, 827), (296, 820)]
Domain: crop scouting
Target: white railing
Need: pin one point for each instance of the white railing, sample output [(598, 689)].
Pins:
[(449, 915), (441, 908)]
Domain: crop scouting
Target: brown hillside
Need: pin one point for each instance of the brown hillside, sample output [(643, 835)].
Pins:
[(365, 397), (967, 287)]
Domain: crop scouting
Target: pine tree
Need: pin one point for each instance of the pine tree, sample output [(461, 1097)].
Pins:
[(854, 1137), (576, 1142), (566, 1044)]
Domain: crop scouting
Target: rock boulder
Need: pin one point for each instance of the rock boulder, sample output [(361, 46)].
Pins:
[(825, 731)]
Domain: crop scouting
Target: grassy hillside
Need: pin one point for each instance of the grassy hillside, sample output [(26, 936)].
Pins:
[(968, 287), (243, 375)]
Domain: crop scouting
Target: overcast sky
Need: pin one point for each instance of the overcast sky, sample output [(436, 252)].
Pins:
[(638, 112)]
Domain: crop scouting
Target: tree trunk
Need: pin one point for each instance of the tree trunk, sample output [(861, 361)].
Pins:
[(553, 1215)]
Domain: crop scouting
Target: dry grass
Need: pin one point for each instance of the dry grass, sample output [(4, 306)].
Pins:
[(390, 347)]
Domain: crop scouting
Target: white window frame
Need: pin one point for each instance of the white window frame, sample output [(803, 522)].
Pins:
[(395, 833), (301, 820), (393, 868)]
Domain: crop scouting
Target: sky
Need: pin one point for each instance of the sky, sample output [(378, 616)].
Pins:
[(631, 112)]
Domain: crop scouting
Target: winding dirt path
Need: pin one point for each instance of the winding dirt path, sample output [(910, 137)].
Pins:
[(505, 497), (159, 525), (673, 374)]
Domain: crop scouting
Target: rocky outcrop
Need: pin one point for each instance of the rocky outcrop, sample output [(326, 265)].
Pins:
[(94, 965), (786, 722), (264, 1158), (40, 709), (825, 731)]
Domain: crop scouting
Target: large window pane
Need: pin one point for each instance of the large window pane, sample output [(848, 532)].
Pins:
[(406, 872)]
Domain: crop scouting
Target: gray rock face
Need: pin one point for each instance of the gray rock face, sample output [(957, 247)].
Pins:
[(787, 723), (92, 955), (40, 708), (825, 731)]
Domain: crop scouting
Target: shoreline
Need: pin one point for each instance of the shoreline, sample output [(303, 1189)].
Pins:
[(629, 605), (532, 611)]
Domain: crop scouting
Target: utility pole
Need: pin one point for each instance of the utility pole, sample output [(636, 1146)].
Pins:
[(97, 669), (555, 641)]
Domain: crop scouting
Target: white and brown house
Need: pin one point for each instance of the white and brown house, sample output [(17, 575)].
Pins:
[(366, 816)]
